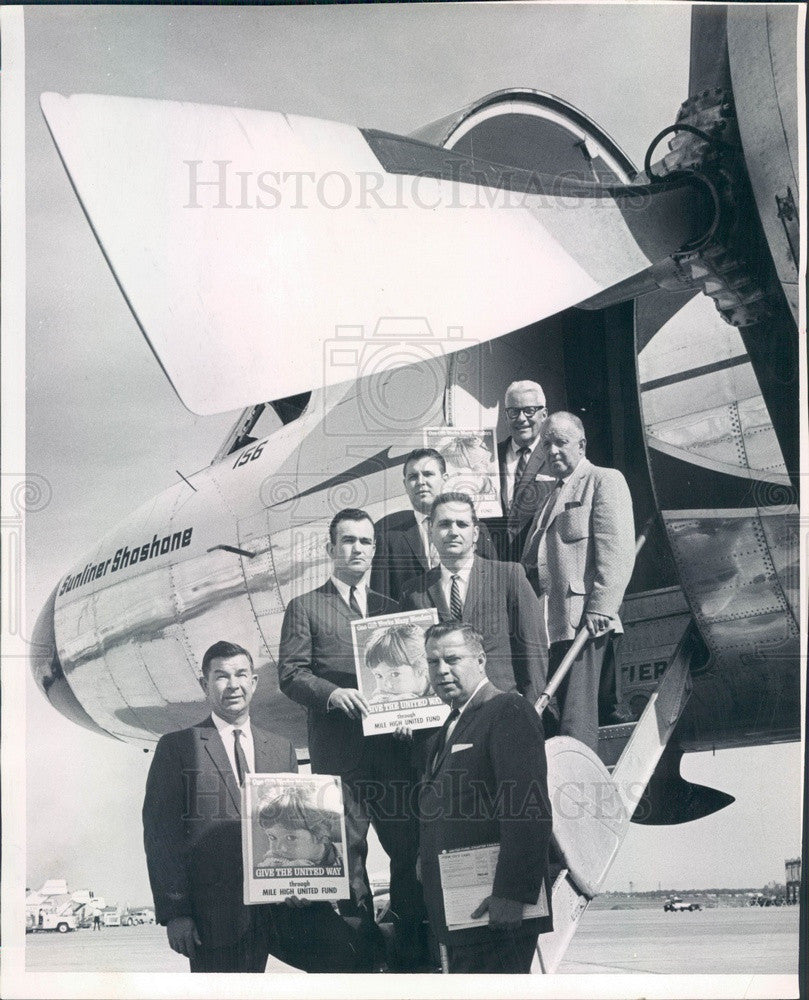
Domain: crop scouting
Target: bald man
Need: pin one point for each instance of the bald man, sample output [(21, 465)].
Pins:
[(582, 548)]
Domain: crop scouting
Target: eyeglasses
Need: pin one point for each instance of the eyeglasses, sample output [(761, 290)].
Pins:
[(514, 411)]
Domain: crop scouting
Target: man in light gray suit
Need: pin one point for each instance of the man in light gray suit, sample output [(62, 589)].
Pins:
[(582, 546)]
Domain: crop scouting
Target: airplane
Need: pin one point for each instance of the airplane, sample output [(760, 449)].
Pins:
[(511, 236)]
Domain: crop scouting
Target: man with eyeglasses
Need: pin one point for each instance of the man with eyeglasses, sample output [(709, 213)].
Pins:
[(524, 480)]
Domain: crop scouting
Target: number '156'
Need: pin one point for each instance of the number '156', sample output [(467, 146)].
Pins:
[(250, 455)]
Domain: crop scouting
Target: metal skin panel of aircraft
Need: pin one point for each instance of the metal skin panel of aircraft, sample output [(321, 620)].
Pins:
[(686, 405)]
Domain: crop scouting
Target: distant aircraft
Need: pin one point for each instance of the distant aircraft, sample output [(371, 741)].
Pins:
[(371, 285)]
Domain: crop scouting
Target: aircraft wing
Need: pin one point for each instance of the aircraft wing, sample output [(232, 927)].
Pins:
[(248, 243)]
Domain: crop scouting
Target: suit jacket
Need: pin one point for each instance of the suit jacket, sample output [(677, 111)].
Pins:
[(192, 828), (400, 554), (316, 656), (488, 785), (509, 531), (585, 556), (501, 605)]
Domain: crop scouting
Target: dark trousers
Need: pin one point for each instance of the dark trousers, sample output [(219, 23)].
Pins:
[(579, 693), (384, 794), (247, 954), (504, 951), (312, 937)]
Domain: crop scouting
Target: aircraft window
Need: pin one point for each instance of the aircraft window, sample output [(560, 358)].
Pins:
[(264, 419)]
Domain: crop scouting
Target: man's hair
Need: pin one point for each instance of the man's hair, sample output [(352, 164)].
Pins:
[(472, 638), (223, 650), (398, 645), (347, 514), (418, 453), (289, 811), (562, 416), (454, 497), (526, 386)]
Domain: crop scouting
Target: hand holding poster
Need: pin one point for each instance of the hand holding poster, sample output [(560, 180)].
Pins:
[(471, 457), (392, 672), (293, 838)]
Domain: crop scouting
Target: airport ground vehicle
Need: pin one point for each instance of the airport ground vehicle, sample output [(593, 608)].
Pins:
[(765, 899), (141, 915), (59, 922), (677, 905)]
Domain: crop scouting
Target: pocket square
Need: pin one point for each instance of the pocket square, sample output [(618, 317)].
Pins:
[(461, 746)]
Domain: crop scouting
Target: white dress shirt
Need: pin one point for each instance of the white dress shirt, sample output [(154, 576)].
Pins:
[(427, 547), (512, 458), (360, 592), (246, 740), (463, 580), (454, 723)]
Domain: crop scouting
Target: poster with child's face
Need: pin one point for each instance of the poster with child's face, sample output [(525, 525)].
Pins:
[(392, 672), (293, 838), (471, 459)]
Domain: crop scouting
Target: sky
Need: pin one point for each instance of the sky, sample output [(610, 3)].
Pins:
[(107, 432)]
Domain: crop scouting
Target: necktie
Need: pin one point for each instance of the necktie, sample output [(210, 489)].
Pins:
[(353, 603), (444, 735), (455, 603), (241, 761), (522, 461), (521, 464)]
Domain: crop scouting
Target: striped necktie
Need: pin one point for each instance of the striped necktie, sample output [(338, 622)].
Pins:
[(455, 603), (353, 603), (518, 472)]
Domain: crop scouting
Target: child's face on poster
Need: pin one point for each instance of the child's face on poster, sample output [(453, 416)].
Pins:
[(295, 844), (398, 680)]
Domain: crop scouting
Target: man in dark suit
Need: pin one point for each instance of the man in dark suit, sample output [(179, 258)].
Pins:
[(493, 597), (403, 547), (486, 783), (316, 668), (524, 479), (582, 549), (192, 836)]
